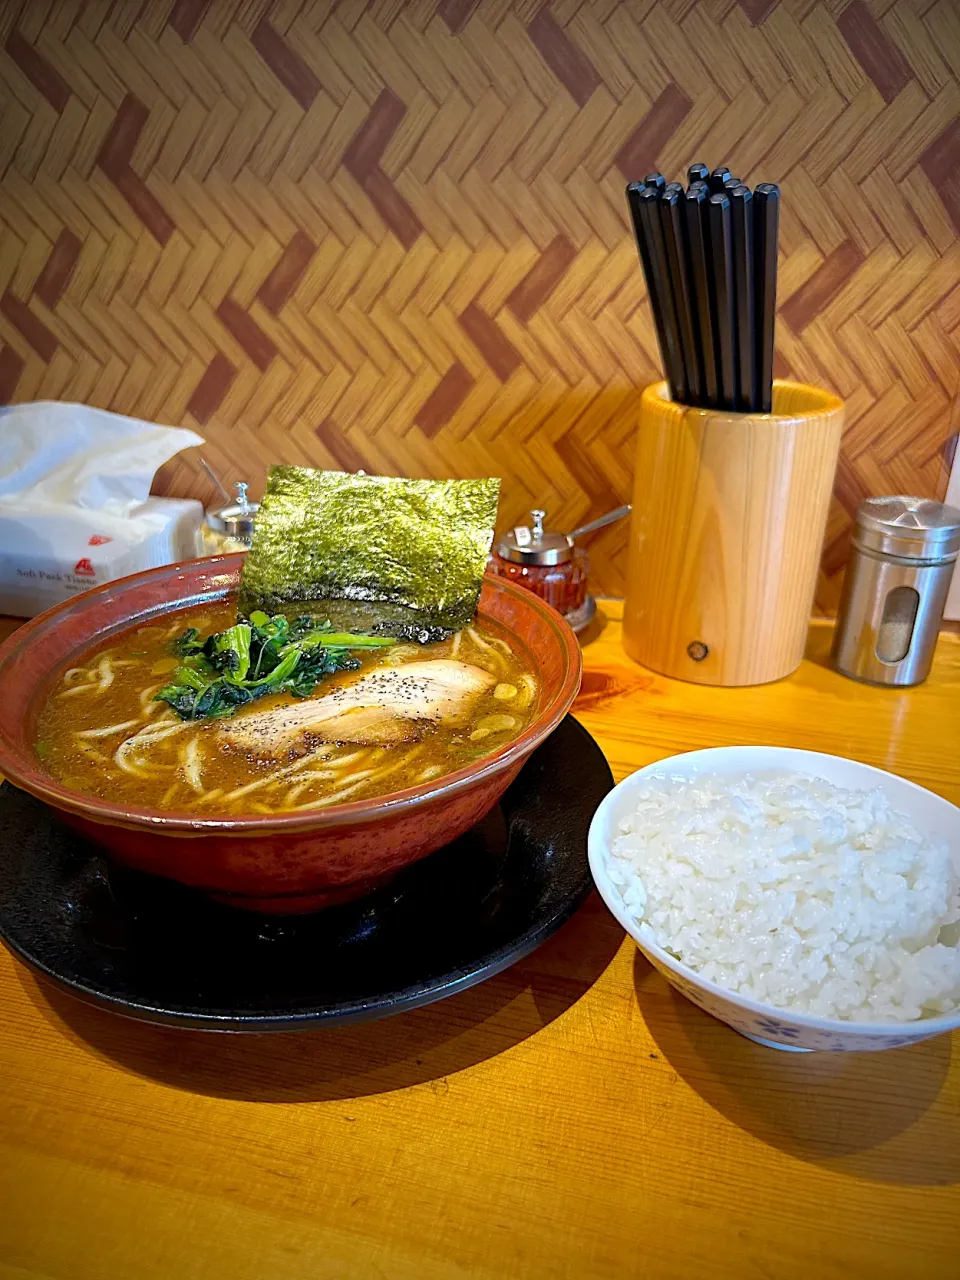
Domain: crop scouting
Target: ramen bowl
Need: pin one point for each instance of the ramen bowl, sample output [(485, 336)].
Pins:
[(284, 862)]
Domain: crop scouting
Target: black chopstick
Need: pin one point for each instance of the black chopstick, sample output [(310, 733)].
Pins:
[(741, 231), (670, 208), (766, 225), (649, 205), (695, 216), (646, 225), (709, 256), (722, 295), (697, 173)]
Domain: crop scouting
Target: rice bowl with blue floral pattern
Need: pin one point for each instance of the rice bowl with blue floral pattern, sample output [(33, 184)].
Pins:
[(809, 901)]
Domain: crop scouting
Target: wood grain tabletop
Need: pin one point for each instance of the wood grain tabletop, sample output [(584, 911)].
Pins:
[(572, 1117)]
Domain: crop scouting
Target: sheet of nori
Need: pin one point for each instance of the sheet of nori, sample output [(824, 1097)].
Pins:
[(421, 545)]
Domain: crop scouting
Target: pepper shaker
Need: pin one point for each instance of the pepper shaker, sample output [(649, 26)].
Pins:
[(895, 589)]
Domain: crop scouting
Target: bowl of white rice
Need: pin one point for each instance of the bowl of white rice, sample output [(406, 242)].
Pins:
[(809, 901)]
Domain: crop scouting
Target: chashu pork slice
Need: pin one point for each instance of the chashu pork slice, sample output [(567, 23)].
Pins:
[(390, 704)]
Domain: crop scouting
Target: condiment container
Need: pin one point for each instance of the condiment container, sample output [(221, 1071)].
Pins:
[(235, 521), (549, 565), (895, 589)]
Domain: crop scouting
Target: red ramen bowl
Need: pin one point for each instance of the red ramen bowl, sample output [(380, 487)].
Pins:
[(281, 863)]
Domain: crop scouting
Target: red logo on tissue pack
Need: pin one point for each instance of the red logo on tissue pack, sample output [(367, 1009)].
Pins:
[(84, 569), (98, 540)]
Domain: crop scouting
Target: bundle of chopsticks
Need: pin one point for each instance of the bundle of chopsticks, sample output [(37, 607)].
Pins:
[(710, 258)]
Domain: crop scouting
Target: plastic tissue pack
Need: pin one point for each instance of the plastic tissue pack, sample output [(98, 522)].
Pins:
[(75, 505)]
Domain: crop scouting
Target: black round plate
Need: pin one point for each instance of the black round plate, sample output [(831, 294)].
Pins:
[(152, 949)]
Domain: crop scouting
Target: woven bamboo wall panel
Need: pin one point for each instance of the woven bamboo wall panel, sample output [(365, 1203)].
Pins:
[(391, 234)]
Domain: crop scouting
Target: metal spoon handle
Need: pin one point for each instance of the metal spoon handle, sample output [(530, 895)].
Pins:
[(601, 521), (214, 477)]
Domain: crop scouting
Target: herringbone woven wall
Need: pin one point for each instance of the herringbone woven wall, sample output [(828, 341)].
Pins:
[(391, 234)]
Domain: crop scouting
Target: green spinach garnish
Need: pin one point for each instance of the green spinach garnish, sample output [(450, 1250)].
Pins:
[(226, 670)]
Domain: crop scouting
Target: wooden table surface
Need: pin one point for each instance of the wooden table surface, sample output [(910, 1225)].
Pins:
[(572, 1117)]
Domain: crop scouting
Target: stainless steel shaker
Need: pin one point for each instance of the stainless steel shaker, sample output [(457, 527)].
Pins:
[(904, 551), (236, 520)]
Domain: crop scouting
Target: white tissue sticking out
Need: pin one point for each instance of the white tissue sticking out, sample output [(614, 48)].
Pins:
[(75, 505), (83, 457)]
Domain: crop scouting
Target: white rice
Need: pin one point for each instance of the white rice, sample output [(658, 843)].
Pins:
[(795, 893)]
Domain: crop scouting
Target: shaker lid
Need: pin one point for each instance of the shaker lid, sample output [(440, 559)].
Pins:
[(525, 545), (236, 520), (914, 528)]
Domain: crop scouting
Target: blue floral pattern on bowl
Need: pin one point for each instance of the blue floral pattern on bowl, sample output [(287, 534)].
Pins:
[(780, 1031), (770, 1027)]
